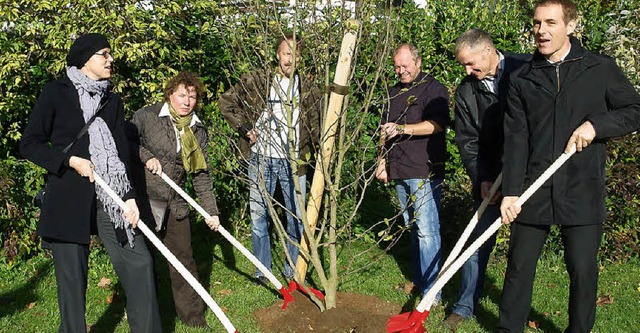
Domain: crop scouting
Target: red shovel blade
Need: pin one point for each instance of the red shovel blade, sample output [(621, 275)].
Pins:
[(293, 286), (408, 322), (286, 294)]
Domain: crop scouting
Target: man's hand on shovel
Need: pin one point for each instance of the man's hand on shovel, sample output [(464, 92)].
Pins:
[(509, 210), (581, 137)]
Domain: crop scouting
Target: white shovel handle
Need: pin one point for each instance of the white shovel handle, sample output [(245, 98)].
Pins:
[(427, 300), (472, 224), (224, 232), (171, 258)]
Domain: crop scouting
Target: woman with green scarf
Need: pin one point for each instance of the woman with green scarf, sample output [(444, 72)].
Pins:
[(170, 138)]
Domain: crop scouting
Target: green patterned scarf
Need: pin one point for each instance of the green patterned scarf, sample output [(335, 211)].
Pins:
[(192, 156)]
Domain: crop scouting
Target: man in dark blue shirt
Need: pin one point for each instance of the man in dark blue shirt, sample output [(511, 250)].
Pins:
[(418, 109)]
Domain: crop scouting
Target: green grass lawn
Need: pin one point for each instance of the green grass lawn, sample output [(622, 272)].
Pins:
[(28, 291)]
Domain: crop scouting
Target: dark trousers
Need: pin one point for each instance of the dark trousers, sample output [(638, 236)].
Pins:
[(177, 238), (134, 268), (580, 251)]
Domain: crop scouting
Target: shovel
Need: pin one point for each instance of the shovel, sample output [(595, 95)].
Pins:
[(413, 322), (171, 258), (472, 224), (286, 293)]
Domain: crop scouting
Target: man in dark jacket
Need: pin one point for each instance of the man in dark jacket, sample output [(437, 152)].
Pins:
[(480, 100), (566, 96), (171, 140), (418, 108), (277, 116)]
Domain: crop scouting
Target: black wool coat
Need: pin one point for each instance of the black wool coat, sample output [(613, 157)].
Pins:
[(546, 103), (68, 213)]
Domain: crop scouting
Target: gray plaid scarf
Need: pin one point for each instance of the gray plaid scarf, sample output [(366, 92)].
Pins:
[(102, 147)]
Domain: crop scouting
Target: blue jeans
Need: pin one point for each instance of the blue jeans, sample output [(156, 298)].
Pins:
[(473, 270), (420, 211), (264, 173)]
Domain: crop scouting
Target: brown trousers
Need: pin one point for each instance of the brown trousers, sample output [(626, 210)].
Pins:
[(177, 238)]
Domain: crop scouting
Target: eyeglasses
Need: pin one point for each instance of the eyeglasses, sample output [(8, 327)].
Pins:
[(104, 54)]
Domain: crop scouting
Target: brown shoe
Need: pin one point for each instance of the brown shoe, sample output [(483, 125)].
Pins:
[(198, 322), (453, 321)]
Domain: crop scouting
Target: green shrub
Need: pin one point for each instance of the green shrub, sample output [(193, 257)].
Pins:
[(152, 44)]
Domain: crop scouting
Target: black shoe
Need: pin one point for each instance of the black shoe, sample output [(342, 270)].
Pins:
[(198, 322), (262, 281)]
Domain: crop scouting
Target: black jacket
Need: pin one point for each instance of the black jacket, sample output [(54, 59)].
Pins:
[(546, 103), (68, 213), (478, 121)]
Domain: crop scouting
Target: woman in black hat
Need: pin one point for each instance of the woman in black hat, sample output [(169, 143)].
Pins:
[(73, 207)]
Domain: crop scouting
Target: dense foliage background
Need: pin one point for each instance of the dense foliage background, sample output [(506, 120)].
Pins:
[(152, 40)]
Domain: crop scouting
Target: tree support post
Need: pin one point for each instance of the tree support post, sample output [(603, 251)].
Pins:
[(330, 126)]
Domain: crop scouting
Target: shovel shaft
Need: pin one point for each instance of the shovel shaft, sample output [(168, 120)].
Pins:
[(193, 282), (472, 224), (427, 300), (224, 233)]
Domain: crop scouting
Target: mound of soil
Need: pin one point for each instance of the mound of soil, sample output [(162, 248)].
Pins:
[(354, 313)]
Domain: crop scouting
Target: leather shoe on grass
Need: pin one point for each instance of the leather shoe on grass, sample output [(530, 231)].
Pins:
[(454, 320), (198, 322), (262, 281)]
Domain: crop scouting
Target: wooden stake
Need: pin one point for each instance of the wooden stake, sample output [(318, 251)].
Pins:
[(331, 122)]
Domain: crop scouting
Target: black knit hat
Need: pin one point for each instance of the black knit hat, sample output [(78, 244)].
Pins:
[(84, 47)]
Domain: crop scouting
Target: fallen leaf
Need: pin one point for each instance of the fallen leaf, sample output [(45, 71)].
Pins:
[(224, 309), (532, 324), (30, 305), (225, 292), (604, 300), (546, 314), (552, 285), (408, 287), (113, 297), (104, 282)]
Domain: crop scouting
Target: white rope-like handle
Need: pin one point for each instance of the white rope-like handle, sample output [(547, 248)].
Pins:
[(193, 282), (224, 233), (427, 300), (472, 224)]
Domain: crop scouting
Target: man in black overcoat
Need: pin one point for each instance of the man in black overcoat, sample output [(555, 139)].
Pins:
[(566, 96)]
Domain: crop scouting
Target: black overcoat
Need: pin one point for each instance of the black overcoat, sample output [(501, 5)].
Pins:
[(546, 103), (68, 213)]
